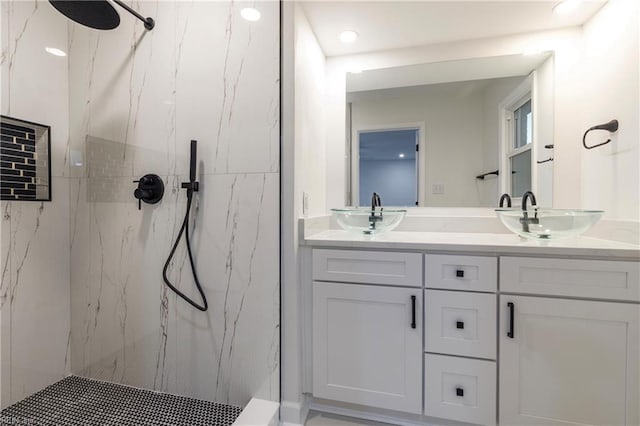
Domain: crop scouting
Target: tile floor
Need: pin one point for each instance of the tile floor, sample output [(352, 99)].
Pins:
[(77, 401)]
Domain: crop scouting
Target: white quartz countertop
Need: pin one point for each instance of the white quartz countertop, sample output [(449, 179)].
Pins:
[(501, 244)]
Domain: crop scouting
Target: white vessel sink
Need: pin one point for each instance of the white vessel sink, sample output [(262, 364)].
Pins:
[(548, 224), (368, 221)]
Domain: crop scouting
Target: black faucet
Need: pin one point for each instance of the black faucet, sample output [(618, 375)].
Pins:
[(503, 198), (525, 220), (375, 217), (375, 201)]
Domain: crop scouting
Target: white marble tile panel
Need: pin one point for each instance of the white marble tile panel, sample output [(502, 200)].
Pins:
[(4, 57), (38, 294), (5, 312), (123, 91), (38, 85), (227, 87), (231, 353), (122, 322)]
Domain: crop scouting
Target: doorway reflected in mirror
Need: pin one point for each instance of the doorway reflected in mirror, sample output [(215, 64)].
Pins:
[(387, 165)]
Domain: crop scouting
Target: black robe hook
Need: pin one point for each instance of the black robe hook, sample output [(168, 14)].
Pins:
[(611, 126)]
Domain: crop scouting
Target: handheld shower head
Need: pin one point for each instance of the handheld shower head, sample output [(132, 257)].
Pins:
[(194, 161)]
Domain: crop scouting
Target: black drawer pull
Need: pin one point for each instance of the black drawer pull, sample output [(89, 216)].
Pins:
[(413, 311), (459, 392), (511, 307), (459, 273), (460, 325)]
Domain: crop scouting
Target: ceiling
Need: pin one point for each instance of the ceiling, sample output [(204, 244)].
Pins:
[(395, 24), (445, 72), (449, 90)]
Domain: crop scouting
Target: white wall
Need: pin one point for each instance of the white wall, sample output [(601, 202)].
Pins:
[(461, 133), (35, 289), (303, 171), (544, 124), (610, 175), (310, 122)]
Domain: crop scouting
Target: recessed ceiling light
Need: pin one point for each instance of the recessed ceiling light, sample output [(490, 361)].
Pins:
[(348, 36), (250, 14), (55, 52), (566, 6), (401, 155)]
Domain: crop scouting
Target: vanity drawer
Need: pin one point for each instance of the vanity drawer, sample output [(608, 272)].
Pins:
[(460, 389), (471, 273), (459, 323), (597, 279), (368, 267)]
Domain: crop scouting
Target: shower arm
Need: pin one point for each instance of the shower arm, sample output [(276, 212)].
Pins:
[(149, 23)]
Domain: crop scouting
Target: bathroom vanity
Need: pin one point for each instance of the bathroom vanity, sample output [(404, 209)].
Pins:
[(428, 327)]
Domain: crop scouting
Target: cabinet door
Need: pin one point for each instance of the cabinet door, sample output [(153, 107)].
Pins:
[(367, 345), (568, 362)]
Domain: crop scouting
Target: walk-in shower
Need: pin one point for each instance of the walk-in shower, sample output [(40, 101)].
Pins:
[(87, 322)]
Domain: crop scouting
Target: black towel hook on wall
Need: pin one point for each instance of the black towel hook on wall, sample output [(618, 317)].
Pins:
[(611, 126)]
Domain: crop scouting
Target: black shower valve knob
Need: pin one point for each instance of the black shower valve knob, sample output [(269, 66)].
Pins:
[(150, 189)]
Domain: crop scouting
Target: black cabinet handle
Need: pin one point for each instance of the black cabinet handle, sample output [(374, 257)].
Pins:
[(460, 325), (459, 273), (459, 392), (413, 311), (511, 307)]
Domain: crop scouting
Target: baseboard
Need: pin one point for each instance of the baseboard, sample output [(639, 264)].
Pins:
[(378, 415), (294, 413)]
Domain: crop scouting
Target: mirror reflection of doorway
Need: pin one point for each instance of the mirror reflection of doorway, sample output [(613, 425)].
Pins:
[(388, 165)]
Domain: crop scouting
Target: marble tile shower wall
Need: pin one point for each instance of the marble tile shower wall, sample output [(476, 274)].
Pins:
[(34, 240), (136, 100)]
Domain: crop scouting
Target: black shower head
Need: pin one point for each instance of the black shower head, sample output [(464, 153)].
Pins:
[(98, 14)]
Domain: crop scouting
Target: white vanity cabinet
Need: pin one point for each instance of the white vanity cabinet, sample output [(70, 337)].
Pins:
[(367, 339), (477, 339), (567, 361)]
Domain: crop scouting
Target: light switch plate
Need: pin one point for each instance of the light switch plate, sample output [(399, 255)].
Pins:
[(437, 188)]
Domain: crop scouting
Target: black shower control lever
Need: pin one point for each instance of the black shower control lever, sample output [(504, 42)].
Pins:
[(150, 189)]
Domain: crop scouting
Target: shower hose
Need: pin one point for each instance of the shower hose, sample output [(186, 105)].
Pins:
[(184, 229)]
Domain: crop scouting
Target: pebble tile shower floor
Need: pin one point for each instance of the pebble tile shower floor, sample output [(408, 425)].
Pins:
[(77, 401)]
